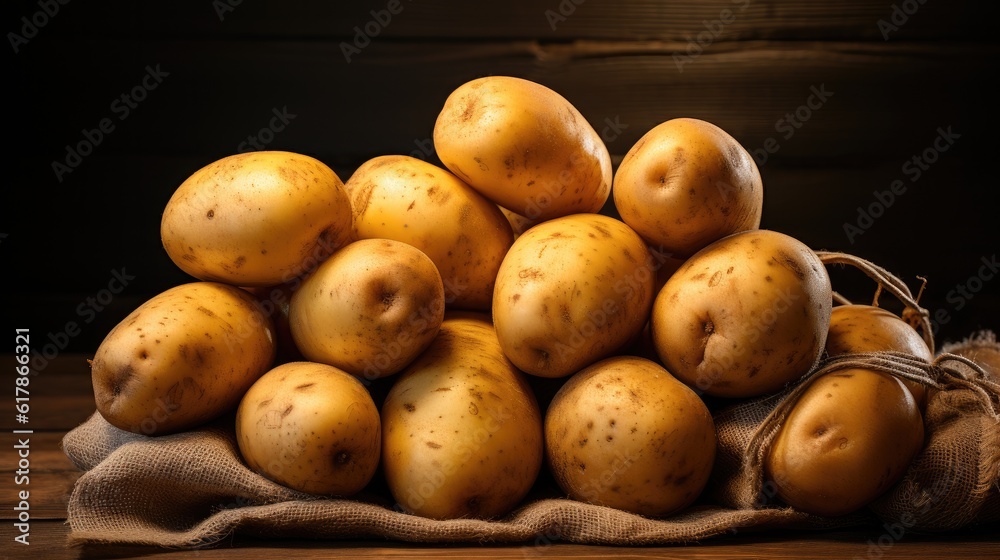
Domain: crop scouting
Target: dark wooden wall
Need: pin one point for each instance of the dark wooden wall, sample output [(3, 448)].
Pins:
[(230, 64)]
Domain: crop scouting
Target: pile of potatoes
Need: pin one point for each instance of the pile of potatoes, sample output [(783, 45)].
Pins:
[(459, 331)]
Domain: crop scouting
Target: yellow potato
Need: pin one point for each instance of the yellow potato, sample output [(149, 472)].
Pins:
[(571, 291), (370, 309), (181, 359), (849, 437), (687, 183), (865, 328), (310, 427), (624, 433), (524, 147), (409, 200), (461, 430), (256, 219), (744, 316)]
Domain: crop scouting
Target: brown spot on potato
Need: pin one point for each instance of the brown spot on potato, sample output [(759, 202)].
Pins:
[(121, 379), (790, 263), (341, 457), (583, 442), (409, 407), (473, 409), (287, 411), (263, 403), (206, 311), (433, 445), (210, 214), (304, 386), (715, 279), (442, 389)]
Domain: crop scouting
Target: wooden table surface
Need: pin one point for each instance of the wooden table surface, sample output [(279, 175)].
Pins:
[(62, 398)]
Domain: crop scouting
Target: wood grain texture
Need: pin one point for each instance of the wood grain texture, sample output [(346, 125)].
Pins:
[(877, 100), (547, 20), (50, 479), (49, 542)]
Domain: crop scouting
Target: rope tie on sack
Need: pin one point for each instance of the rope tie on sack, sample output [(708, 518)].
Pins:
[(937, 374), (918, 317)]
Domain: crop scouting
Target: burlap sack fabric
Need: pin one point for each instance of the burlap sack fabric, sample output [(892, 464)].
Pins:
[(193, 490)]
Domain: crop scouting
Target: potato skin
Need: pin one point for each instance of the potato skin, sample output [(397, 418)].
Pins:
[(311, 427), (182, 359), (687, 183), (523, 146), (462, 432), (624, 433), (410, 200), (865, 328), (256, 219), (571, 291), (744, 316), (849, 437), (370, 309)]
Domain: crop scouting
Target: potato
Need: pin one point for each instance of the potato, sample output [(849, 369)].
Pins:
[(461, 430), (571, 291), (624, 433), (744, 315), (687, 183), (310, 427), (370, 309), (256, 219), (524, 147), (849, 437), (865, 328), (181, 359), (409, 200)]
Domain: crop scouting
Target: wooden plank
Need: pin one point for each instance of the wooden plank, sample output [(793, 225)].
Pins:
[(49, 541), (547, 20), (60, 395), (50, 476), (877, 99)]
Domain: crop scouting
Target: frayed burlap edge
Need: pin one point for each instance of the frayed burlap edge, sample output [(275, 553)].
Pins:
[(126, 499)]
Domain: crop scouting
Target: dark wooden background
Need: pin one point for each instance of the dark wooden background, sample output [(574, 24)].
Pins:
[(231, 63)]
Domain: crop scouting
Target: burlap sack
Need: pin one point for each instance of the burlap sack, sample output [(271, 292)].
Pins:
[(952, 483), (192, 490)]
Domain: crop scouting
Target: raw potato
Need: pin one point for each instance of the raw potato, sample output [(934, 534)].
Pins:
[(312, 428), (181, 359), (848, 439), (256, 219), (865, 328), (524, 147), (370, 309), (624, 433), (744, 316), (410, 200), (687, 183), (462, 432), (571, 291)]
